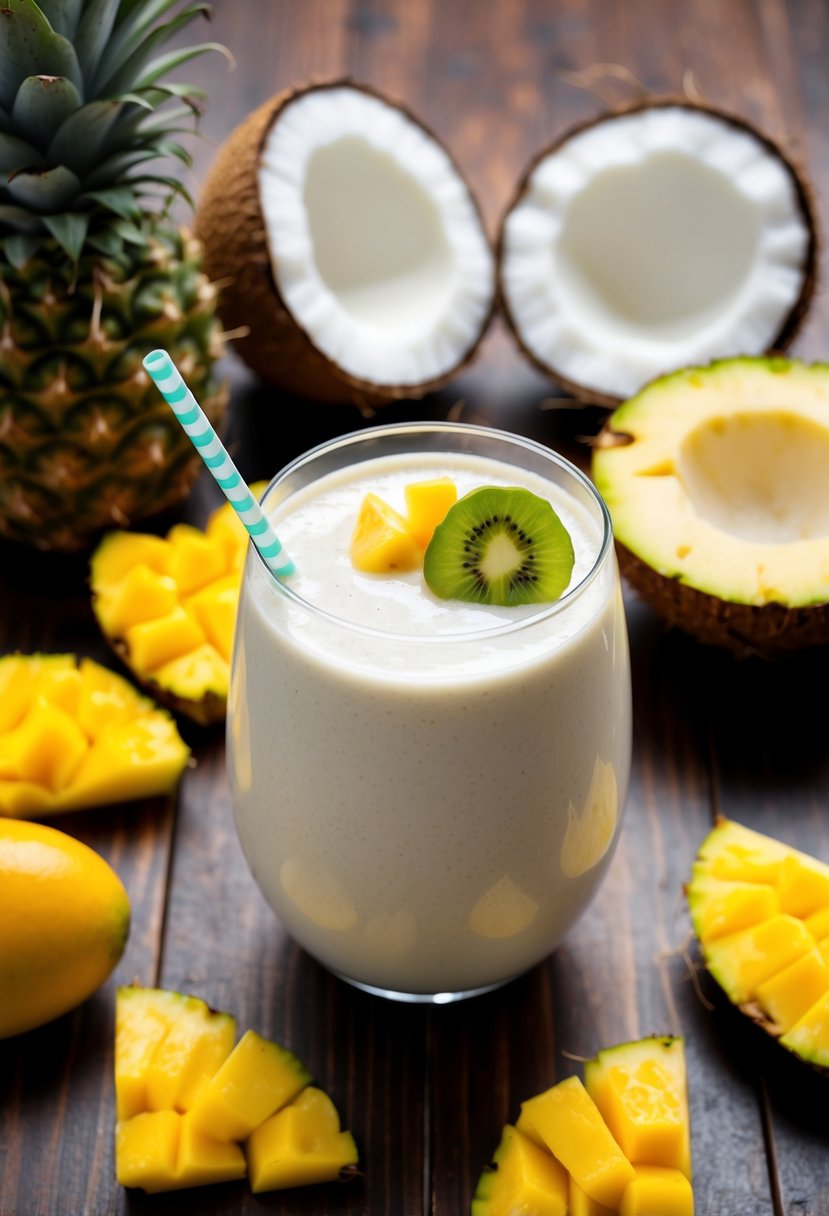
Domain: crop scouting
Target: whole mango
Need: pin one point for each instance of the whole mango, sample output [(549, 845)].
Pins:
[(64, 921)]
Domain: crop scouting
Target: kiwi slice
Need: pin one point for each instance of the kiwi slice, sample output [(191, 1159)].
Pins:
[(499, 545)]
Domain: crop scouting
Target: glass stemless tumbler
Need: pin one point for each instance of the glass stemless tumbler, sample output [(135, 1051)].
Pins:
[(427, 793)]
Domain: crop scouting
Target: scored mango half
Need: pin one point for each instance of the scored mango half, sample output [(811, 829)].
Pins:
[(167, 605), (619, 1142), (192, 1108), (75, 735), (760, 910)]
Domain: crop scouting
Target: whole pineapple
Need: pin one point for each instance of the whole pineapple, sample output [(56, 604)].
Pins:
[(93, 274)]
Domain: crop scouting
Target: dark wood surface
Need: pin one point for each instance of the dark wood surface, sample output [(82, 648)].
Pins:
[(427, 1091)]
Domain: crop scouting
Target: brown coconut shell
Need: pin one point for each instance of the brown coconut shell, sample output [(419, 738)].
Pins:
[(769, 631), (790, 324), (231, 227)]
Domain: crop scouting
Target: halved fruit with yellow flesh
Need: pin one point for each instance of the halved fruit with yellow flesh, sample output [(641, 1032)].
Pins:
[(186, 1097), (620, 1142), (641, 1091), (168, 607), (300, 1145), (75, 735), (761, 912)]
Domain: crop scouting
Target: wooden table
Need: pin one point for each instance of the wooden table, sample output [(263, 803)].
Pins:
[(426, 1091)]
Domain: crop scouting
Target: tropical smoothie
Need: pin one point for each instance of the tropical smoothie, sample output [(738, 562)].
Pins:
[(426, 790)]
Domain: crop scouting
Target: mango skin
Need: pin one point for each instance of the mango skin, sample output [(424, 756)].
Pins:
[(64, 923)]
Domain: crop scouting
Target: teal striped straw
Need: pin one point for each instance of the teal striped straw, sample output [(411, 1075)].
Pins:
[(167, 379)]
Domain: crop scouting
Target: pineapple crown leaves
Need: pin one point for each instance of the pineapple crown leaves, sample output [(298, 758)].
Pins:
[(84, 109)]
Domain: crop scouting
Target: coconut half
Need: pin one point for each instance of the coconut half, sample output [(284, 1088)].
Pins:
[(351, 248), (660, 237)]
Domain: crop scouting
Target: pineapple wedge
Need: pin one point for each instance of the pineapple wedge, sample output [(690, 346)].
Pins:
[(168, 607), (75, 735), (760, 910)]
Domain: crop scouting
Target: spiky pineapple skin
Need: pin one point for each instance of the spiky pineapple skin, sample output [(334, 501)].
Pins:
[(86, 441)]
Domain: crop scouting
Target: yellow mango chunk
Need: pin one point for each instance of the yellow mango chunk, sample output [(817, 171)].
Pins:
[(60, 685), (142, 1018), (592, 1156), (225, 528), (139, 758), (736, 853), (156, 642), (640, 1090), (300, 1145), (215, 610), (818, 924), (580, 1203), (119, 552), (146, 1150), (427, 503), (195, 558), (46, 749), (809, 1037), (163, 1151), (525, 1178), (381, 542), (105, 698), (195, 676), (718, 907), (141, 595), (257, 1079), (803, 885), (743, 960), (657, 1191), (195, 1046), (791, 992)]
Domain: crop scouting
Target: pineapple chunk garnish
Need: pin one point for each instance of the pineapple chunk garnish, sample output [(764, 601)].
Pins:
[(168, 606), (75, 735)]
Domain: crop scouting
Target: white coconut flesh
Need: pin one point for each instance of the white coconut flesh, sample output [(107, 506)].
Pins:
[(654, 240), (725, 484), (377, 249)]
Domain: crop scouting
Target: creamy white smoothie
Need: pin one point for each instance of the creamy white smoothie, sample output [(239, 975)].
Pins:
[(427, 791)]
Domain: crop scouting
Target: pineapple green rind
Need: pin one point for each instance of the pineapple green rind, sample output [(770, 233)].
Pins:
[(93, 274)]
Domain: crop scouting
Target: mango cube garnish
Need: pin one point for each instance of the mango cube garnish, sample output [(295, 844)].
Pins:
[(427, 503), (74, 735), (760, 909), (186, 1098), (620, 1142), (386, 542), (168, 607)]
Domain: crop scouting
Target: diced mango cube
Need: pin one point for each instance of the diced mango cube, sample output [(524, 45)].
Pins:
[(427, 503), (202, 1160), (142, 1018), (593, 1157), (59, 684), (118, 552), (195, 1046), (803, 885), (718, 908), (645, 1110), (195, 676), (809, 1037), (736, 853), (525, 1178), (215, 610), (381, 542), (257, 1079), (45, 749), (300, 1145), (657, 1191), (146, 1149), (743, 960), (818, 924), (580, 1203), (104, 698), (136, 758), (141, 595), (788, 994), (156, 642), (195, 558)]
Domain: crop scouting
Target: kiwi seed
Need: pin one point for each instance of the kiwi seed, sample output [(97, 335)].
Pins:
[(499, 545)]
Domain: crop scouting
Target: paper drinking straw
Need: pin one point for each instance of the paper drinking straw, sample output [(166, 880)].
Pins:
[(167, 379)]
